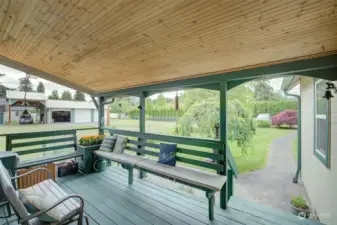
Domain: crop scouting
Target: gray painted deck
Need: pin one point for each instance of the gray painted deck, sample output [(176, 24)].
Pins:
[(109, 200)]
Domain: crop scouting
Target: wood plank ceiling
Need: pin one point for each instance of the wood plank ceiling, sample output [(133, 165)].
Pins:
[(105, 45)]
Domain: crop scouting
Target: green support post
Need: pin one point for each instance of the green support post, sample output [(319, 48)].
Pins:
[(130, 175), (211, 203), (101, 116), (223, 138), (141, 125), (230, 184)]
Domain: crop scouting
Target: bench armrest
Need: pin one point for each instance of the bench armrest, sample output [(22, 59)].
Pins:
[(39, 213), (32, 171)]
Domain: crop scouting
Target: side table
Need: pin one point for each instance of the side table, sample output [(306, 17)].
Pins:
[(85, 165)]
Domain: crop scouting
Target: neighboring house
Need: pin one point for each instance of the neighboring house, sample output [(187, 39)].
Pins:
[(318, 145), (49, 111), (3, 104)]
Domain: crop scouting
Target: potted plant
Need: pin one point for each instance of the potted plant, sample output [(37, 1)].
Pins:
[(86, 145), (299, 207)]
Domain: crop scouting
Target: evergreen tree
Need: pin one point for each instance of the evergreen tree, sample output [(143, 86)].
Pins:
[(54, 95), (25, 84), (160, 102), (66, 95), (264, 92), (40, 87), (79, 96)]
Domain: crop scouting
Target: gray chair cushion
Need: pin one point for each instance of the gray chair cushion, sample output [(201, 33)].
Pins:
[(120, 144), (10, 193), (120, 158), (108, 143), (47, 193)]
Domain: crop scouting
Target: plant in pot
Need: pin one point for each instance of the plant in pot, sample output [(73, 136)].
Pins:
[(299, 207), (86, 145)]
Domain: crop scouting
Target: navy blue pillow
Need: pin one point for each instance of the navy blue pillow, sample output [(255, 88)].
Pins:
[(167, 154)]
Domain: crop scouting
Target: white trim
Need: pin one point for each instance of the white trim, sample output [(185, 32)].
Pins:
[(321, 116)]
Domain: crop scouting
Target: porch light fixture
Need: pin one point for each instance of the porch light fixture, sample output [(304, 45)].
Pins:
[(330, 86)]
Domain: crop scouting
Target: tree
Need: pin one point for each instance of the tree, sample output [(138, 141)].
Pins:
[(264, 92), (66, 95), (79, 96), (203, 116), (54, 95), (25, 84), (160, 102), (287, 117), (40, 87)]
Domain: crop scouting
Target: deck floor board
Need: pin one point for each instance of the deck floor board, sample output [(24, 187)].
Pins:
[(109, 200)]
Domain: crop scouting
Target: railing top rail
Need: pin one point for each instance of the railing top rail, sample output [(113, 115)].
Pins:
[(47, 131)]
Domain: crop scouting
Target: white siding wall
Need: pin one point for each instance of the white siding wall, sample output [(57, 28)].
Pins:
[(96, 116), (320, 181), (82, 116)]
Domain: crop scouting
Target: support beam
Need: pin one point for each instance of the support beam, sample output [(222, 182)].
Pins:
[(141, 125), (223, 137), (9, 114), (101, 116), (95, 102)]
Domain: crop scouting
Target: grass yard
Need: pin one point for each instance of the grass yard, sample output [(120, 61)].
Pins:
[(255, 160), (261, 143)]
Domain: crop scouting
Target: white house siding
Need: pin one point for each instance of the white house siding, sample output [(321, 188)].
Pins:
[(82, 116), (320, 181)]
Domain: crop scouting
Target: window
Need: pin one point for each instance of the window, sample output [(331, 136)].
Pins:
[(322, 129)]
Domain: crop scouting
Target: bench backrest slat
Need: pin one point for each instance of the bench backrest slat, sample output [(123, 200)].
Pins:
[(30, 143)]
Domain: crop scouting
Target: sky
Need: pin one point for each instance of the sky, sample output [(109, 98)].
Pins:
[(11, 80)]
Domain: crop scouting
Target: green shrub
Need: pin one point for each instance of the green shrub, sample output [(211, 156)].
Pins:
[(263, 123), (299, 202), (272, 107)]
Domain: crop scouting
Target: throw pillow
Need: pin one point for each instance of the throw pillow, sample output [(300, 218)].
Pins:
[(120, 144), (108, 143), (167, 154)]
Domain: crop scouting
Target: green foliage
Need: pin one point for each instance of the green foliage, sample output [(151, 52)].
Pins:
[(272, 107), (79, 96), (54, 95), (66, 95), (263, 124), (40, 87), (160, 102), (203, 115), (299, 202), (124, 105), (264, 92), (242, 93), (25, 84)]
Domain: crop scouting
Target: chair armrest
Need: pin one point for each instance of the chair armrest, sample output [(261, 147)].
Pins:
[(32, 171), (39, 213)]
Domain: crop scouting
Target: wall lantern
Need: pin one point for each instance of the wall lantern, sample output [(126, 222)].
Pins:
[(330, 86)]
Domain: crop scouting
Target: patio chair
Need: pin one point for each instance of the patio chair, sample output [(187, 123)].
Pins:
[(59, 201)]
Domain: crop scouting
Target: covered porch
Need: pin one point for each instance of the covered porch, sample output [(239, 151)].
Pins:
[(132, 48), (109, 200)]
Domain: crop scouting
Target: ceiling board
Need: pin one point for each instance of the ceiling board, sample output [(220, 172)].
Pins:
[(102, 46)]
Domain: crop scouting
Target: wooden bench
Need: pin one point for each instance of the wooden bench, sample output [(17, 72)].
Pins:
[(39, 142), (190, 153)]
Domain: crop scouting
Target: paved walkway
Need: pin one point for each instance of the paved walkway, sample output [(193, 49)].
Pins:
[(273, 185)]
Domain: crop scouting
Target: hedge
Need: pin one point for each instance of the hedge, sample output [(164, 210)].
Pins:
[(158, 114), (272, 107)]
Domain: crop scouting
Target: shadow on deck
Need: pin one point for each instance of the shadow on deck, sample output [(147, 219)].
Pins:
[(109, 200)]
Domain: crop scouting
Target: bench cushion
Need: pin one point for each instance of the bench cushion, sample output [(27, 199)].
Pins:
[(120, 144), (108, 143), (120, 158), (44, 194), (189, 175)]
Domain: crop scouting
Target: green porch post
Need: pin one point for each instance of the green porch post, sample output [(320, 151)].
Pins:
[(141, 124), (223, 138), (101, 116)]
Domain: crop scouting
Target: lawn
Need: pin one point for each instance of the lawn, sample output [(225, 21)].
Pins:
[(256, 159)]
